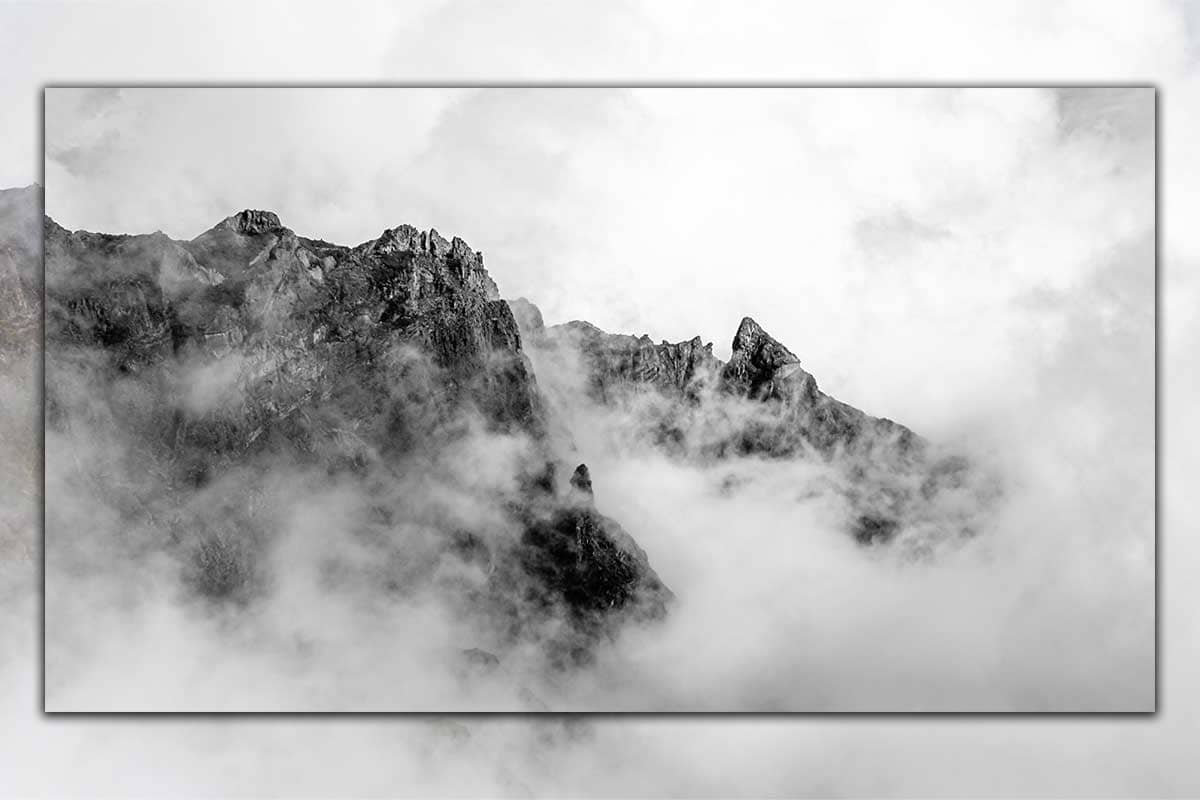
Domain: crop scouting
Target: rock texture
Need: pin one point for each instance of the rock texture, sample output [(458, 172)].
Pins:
[(762, 369), (589, 562), (400, 334), (761, 403), (251, 346), (194, 370)]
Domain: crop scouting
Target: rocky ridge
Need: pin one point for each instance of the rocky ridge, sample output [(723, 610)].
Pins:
[(363, 363), (250, 346), (761, 403)]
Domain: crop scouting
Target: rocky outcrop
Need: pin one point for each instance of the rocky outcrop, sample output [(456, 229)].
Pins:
[(581, 480), (590, 564), (309, 320), (761, 403), (251, 345), (762, 369), (618, 362)]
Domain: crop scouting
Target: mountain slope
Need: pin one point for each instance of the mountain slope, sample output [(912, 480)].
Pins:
[(391, 369), (761, 404), (210, 396)]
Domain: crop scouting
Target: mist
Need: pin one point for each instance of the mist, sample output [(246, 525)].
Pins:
[(862, 755)]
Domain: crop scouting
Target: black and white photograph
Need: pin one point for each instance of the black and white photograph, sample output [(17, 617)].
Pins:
[(597, 398), (572, 399)]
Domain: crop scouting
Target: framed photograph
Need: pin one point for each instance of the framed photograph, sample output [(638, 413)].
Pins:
[(604, 399)]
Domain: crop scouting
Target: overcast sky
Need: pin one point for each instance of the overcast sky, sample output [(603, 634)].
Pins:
[(1028, 41)]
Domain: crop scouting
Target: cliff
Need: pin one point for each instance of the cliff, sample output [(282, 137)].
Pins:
[(250, 349)]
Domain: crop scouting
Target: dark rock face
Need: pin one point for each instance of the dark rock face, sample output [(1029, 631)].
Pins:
[(313, 321), (581, 480), (365, 361), (763, 369), (252, 222), (593, 564), (590, 564)]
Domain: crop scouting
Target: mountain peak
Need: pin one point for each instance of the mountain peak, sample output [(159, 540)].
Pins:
[(748, 332), (759, 345), (253, 221)]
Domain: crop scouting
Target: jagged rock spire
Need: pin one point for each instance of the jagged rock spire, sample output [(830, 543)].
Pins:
[(760, 346), (760, 366), (581, 480)]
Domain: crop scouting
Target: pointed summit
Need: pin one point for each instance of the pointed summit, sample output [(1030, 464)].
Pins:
[(748, 333), (760, 365), (760, 346)]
